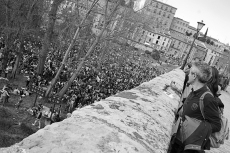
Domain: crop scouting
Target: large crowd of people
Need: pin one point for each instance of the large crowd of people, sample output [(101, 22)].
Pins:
[(97, 80)]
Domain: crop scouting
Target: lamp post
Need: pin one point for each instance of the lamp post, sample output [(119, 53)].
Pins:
[(199, 27)]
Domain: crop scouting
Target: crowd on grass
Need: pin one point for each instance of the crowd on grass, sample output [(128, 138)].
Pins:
[(116, 72)]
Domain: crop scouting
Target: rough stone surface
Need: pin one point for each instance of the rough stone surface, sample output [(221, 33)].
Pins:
[(134, 121)]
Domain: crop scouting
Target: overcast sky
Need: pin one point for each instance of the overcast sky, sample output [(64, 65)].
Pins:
[(214, 13)]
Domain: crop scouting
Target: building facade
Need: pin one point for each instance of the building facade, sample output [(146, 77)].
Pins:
[(145, 36), (160, 12), (179, 25), (218, 57), (181, 45)]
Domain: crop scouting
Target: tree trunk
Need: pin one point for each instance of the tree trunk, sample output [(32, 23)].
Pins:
[(64, 61), (48, 36), (19, 54), (5, 51), (18, 58), (102, 55), (68, 84)]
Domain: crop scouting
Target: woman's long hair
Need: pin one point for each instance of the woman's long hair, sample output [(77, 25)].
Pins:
[(214, 81)]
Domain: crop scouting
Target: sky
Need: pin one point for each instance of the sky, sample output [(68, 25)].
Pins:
[(214, 13)]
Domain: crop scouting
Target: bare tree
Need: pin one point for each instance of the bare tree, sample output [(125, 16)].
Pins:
[(96, 41), (21, 34), (48, 35), (64, 61)]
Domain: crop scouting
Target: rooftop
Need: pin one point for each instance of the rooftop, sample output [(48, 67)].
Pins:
[(180, 19), (159, 2), (175, 35), (164, 3), (190, 27)]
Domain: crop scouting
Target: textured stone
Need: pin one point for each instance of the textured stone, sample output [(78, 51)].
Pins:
[(134, 121)]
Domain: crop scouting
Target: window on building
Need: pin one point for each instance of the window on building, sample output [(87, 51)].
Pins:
[(157, 42), (143, 32), (150, 39), (166, 8), (157, 5), (163, 43), (158, 37), (169, 16)]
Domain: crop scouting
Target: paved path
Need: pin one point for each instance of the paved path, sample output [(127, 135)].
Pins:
[(225, 97)]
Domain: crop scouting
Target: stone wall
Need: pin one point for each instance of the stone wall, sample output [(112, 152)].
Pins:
[(134, 121)]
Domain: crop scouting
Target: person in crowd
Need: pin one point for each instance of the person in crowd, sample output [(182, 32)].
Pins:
[(38, 118), (16, 91), (10, 68), (6, 72), (5, 95), (195, 138), (213, 84), (18, 104), (27, 81), (226, 83), (1, 68), (221, 82), (59, 112)]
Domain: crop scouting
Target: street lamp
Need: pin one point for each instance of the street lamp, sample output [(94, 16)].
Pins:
[(199, 27)]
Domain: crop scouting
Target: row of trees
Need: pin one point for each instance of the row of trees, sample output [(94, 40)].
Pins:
[(47, 26)]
